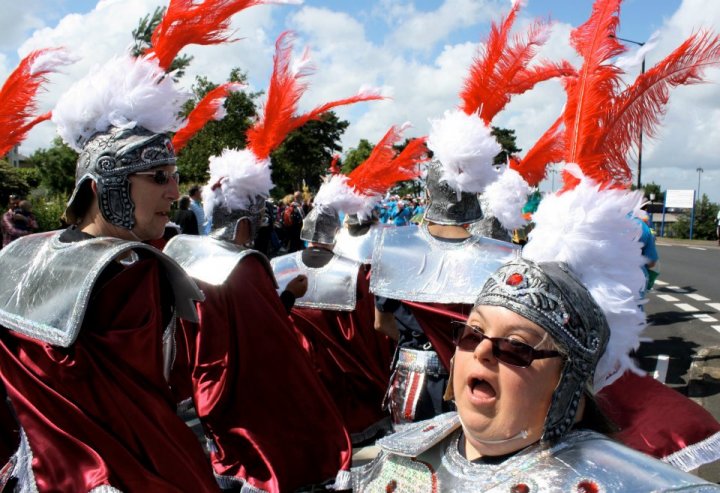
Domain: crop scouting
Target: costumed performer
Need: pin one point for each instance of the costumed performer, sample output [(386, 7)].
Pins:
[(335, 317), (423, 277), (544, 328), (89, 312), (253, 386)]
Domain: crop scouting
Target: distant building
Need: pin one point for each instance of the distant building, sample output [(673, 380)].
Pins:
[(17, 160)]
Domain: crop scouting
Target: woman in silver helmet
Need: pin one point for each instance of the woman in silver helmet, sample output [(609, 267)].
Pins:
[(526, 419)]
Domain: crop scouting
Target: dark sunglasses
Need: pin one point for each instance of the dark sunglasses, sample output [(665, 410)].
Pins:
[(509, 351), (161, 176)]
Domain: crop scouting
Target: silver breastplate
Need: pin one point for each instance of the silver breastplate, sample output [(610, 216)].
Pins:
[(332, 287), (357, 248), (410, 264), (209, 260), (46, 284), (426, 455)]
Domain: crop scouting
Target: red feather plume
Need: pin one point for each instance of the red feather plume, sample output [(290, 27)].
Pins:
[(188, 22), (591, 92), (501, 70), (639, 108), (334, 168), (206, 110), (385, 167), (550, 148), (17, 96), (284, 93)]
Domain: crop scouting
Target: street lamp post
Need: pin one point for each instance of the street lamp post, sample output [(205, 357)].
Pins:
[(699, 172), (640, 141)]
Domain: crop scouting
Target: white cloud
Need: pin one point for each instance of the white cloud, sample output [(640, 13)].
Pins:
[(416, 55)]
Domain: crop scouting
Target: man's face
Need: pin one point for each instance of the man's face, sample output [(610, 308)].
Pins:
[(152, 203), (297, 197)]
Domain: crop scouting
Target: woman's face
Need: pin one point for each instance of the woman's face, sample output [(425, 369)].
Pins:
[(152, 203), (497, 401)]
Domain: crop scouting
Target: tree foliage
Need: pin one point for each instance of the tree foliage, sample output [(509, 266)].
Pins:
[(705, 221), (12, 182), (654, 188), (306, 154), (506, 139), (142, 36), (216, 135), (56, 167), (356, 155)]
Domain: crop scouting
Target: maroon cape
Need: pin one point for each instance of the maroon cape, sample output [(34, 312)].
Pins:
[(639, 405), (100, 411), (255, 391), (351, 357), (658, 420)]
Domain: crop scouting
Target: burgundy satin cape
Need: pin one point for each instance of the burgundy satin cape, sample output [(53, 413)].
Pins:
[(640, 405), (255, 391), (100, 411), (9, 437), (653, 417), (351, 357)]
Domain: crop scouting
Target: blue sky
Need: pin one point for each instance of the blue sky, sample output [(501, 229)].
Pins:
[(418, 51)]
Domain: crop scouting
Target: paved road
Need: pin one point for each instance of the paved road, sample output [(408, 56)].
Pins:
[(684, 316)]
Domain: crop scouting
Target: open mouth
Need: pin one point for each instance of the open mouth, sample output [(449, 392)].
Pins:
[(481, 390)]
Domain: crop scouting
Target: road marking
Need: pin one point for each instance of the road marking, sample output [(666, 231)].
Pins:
[(697, 248), (716, 327), (704, 317), (667, 297), (660, 283), (698, 297), (661, 369), (672, 288), (714, 306), (686, 308)]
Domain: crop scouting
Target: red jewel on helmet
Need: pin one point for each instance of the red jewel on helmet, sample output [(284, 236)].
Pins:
[(514, 279), (588, 486), (520, 488)]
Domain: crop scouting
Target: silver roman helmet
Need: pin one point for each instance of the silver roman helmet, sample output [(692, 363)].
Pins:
[(108, 158), (550, 295), (321, 225), (445, 204)]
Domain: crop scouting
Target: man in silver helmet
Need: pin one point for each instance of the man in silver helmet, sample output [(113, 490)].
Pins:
[(526, 419), (335, 318), (227, 365), (90, 325), (421, 279)]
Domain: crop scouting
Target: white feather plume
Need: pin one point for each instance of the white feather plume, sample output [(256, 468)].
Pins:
[(465, 147), (50, 60), (124, 92), (335, 193), (595, 233), (241, 177), (506, 197)]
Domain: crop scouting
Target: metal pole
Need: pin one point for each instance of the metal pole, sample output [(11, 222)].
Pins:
[(699, 172)]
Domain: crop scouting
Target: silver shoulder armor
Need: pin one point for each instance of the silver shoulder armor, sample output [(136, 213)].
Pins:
[(357, 248), (332, 287), (47, 284), (209, 260), (582, 461), (410, 264)]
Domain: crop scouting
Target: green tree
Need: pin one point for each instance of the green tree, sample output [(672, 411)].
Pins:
[(654, 188), (506, 139), (56, 167), (306, 153), (705, 216), (142, 36), (216, 135), (357, 155), (12, 182)]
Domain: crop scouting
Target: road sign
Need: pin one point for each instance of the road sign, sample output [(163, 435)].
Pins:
[(681, 199)]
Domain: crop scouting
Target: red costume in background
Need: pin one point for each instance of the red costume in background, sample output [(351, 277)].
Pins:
[(352, 358), (100, 411), (272, 422)]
